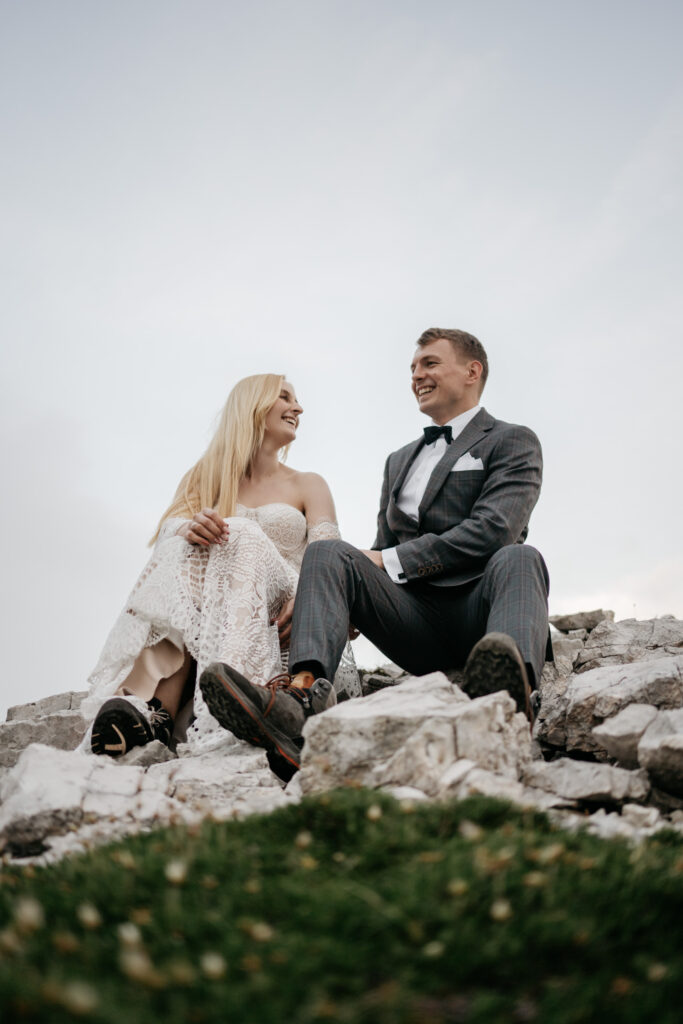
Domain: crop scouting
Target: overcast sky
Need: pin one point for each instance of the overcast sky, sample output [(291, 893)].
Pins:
[(196, 191)]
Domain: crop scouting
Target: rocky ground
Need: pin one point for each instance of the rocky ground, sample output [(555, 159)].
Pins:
[(606, 752)]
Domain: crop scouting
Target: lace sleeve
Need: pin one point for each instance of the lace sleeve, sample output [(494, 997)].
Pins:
[(323, 529), (170, 527)]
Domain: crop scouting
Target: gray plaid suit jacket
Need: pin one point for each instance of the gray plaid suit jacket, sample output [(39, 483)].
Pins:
[(465, 516)]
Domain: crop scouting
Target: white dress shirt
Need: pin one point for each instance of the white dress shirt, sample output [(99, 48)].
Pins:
[(415, 483)]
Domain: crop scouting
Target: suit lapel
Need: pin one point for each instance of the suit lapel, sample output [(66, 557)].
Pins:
[(473, 432), (407, 463)]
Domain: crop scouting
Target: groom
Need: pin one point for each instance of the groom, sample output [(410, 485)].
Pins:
[(448, 582)]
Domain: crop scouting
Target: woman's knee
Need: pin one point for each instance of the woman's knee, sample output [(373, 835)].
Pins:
[(239, 526), (246, 534)]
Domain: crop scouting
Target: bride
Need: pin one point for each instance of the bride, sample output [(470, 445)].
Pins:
[(220, 583)]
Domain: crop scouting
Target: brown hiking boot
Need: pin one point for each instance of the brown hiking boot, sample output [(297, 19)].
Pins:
[(270, 716), (496, 664)]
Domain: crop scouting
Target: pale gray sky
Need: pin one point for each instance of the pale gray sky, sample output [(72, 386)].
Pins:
[(195, 191)]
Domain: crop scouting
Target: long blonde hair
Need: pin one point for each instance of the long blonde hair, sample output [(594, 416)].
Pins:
[(214, 480)]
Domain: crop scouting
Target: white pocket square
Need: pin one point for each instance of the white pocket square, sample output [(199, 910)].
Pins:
[(466, 462)]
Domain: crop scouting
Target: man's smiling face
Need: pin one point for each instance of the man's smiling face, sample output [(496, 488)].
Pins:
[(444, 383)]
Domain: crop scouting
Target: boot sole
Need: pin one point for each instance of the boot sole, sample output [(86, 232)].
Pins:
[(236, 713), (119, 728), (493, 670)]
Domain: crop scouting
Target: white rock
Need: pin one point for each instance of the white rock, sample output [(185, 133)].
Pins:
[(70, 701), (580, 620), (155, 752), (480, 782), (43, 793), (549, 727), (660, 751), (587, 781), (407, 735), (424, 755), (611, 826), (630, 640), (160, 776), (151, 805), (31, 780), (620, 735), (404, 793), (107, 777), (454, 776), (108, 805), (491, 732), (389, 669), (51, 792), (641, 817), (354, 740), (565, 652), (591, 697), (465, 778), (61, 729)]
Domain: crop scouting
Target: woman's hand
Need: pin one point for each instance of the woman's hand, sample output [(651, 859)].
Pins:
[(205, 528)]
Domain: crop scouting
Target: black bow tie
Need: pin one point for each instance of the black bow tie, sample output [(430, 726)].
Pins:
[(431, 434)]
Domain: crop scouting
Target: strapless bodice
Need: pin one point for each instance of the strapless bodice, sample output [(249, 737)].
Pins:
[(285, 525)]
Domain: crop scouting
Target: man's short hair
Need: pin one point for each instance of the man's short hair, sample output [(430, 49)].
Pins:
[(466, 345)]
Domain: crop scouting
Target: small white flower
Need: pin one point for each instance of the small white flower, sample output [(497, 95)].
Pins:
[(129, 934), (28, 914), (176, 872), (79, 998), (470, 831), (261, 932), (434, 949), (136, 964), (657, 972), (9, 941), (213, 966), (501, 910), (89, 915)]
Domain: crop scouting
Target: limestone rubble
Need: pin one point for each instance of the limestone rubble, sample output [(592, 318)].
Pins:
[(606, 751)]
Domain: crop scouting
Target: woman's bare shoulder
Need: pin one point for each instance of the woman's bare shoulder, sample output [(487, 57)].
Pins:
[(308, 481), (315, 494)]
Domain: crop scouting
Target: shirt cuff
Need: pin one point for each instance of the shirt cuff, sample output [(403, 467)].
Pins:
[(392, 564)]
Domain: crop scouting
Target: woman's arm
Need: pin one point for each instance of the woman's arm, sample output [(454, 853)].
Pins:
[(317, 500), (321, 518), (205, 528)]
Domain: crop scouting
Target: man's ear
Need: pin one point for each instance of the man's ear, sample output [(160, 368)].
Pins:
[(474, 371)]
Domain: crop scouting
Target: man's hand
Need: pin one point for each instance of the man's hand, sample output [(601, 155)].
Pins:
[(284, 622), (376, 557), (205, 528)]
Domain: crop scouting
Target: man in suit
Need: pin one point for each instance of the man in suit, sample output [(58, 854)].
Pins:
[(449, 580)]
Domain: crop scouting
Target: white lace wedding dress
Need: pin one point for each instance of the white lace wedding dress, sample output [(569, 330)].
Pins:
[(217, 602)]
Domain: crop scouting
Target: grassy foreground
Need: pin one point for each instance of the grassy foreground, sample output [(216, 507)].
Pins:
[(350, 907)]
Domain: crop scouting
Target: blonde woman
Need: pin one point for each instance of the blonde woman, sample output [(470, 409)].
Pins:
[(220, 583)]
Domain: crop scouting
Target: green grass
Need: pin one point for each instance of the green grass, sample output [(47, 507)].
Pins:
[(350, 907)]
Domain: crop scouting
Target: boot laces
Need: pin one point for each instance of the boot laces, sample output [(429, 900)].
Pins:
[(283, 682)]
